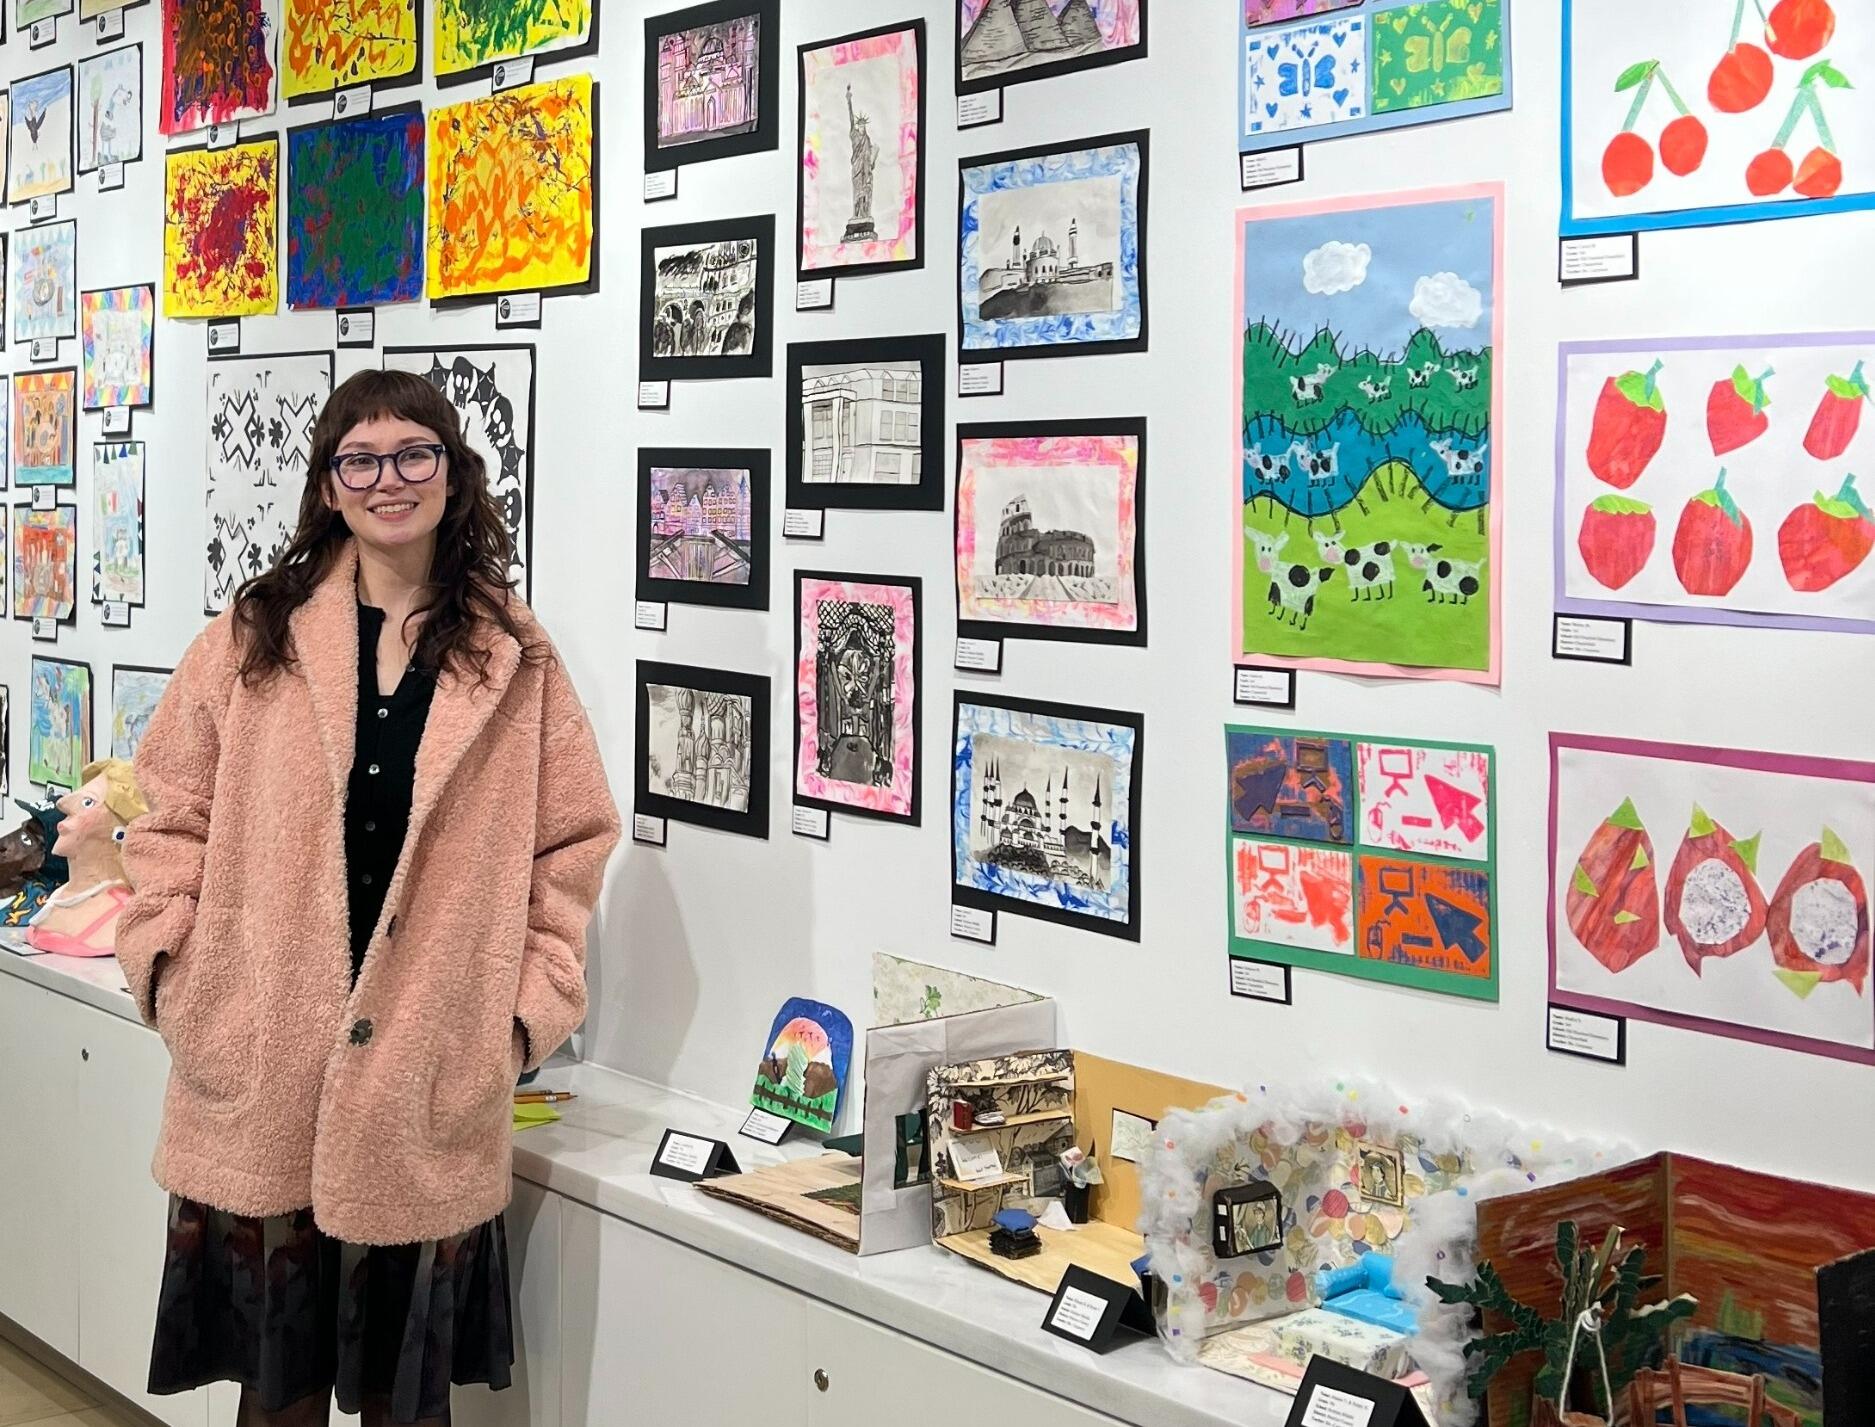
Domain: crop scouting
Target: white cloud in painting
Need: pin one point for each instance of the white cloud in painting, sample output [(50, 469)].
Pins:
[(1446, 300), (1336, 267)]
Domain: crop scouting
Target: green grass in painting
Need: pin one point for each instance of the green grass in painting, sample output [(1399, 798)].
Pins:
[(816, 1113)]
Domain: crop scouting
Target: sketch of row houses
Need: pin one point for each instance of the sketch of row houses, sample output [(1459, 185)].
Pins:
[(861, 425)]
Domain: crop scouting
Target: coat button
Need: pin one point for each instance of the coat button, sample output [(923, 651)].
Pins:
[(361, 1032)]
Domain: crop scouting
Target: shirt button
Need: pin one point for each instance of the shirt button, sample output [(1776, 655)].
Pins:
[(371, 827), (366, 879), (372, 770), (361, 1032), (383, 712)]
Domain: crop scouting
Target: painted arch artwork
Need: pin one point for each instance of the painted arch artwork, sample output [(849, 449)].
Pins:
[(473, 33), (810, 1051), (1715, 890), (1366, 524), (1715, 111)]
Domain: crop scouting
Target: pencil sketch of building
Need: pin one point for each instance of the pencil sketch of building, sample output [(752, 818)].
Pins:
[(1041, 810), (1045, 278), (1014, 34), (861, 424), (853, 665), (1058, 545), (708, 82), (700, 525), (705, 296), (699, 746)]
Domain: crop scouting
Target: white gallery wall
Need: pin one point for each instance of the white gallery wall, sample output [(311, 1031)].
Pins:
[(697, 943)]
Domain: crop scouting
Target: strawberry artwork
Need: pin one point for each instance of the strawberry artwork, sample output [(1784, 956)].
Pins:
[(1616, 539), (1630, 423), (1735, 410), (1837, 416), (1712, 545), (1821, 542)]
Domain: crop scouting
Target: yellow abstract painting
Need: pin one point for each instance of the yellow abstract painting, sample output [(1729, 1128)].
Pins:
[(511, 191), (472, 33), (220, 220), (333, 44)]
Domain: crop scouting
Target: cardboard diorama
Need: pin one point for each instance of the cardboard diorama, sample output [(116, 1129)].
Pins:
[(1016, 1139)]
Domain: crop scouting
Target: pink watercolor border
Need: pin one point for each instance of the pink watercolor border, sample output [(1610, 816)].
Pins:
[(896, 800), (1242, 221), (818, 254), (1043, 453)]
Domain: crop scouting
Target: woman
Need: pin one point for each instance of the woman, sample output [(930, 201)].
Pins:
[(379, 823)]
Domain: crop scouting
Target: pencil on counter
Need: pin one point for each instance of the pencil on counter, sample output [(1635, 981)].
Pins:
[(542, 1097)]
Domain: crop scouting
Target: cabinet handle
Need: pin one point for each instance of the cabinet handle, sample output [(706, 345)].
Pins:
[(820, 1379)]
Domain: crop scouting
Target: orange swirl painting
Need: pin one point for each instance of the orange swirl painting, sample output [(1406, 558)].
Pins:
[(511, 191), (333, 44)]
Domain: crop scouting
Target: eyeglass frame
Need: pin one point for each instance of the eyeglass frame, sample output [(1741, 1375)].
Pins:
[(436, 448)]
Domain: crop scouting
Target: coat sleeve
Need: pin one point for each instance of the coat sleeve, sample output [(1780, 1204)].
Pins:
[(164, 850), (576, 827)]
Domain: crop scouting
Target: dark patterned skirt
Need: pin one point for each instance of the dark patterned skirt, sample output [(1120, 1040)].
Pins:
[(277, 1306)]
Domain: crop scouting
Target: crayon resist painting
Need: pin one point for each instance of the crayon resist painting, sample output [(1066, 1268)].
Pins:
[(45, 414), (862, 158), (110, 108), (354, 235), (1713, 889), (117, 501), (118, 331), (856, 694), (1715, 111), (44, 282), (1366, 528), (135, 693), (218, 62), (39, 136), (1714, 480), (59, 731), (45, 562)]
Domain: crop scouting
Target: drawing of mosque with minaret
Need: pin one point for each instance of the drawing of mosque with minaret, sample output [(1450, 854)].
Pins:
[(1045, 276), (1014, 34), (1043, 810)]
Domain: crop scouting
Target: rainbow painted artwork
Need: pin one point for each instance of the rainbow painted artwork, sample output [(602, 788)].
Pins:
[(810, 1052)]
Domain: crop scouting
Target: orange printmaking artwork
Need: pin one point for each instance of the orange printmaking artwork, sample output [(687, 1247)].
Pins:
[(511, 191), (333, 44), (220, 207)]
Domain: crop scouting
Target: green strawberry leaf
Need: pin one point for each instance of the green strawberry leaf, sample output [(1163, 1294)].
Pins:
[(1640, 388), (1720, 497), (1747, 850), (1583, 883), (1620, 505), (1702, 825), (1640, 860), (1847, 503), (1622, 919), (1834, 848), (1853, 387), (1625, 816), (1750, 389), (1635, 73)]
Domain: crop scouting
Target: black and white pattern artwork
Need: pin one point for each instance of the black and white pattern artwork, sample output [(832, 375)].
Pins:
[(492, 389), (854, 663), (260, 421)]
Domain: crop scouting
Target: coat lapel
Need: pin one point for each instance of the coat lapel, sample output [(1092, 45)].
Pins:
[(458, 713), (325, 648)]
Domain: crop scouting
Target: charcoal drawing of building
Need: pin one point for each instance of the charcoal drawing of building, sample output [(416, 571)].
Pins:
[(862, 425), (711, 761), (706, 300), (1012, 34), (1041, 279), (1038, 835), (1021, 549), (707, 82)]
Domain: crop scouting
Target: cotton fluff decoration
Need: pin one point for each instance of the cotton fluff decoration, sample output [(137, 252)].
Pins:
[(1440, 1234)]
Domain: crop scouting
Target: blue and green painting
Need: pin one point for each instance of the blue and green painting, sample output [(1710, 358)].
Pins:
[(810, 1052)]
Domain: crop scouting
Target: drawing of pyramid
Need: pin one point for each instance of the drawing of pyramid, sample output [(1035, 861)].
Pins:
[(1078, 27), (1040, 29), (995, 38)]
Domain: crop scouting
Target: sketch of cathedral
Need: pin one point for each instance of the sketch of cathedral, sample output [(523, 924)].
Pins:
[(705, 299), (708, 81), (1041, 280), (853, 669), (1041, 836), (710, 762)]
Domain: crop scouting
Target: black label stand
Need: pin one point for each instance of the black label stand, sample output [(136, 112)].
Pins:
[(1337, 1396), (691, 1157), (1090, 1310)]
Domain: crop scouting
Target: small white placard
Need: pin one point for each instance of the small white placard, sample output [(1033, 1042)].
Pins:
[(518, 309), (973, 924), (1270, 169), (45, 497), (651, 614), (660, 186), (224, 335), (1586, 1034), (1079, 1312), (813, 294), (45, 206), (41, 33), (975, 1158), (1259, 981), (1599, 641), (512, 73), (980, 379), (223, 136), (812, 822), (110, 177), (974, 110), (764, 1125), (1614, 258), (358, 327), (654, 396), (116, 614), (46, 628), (44, 349), (350, 103), (116, 421), (979, 656), (804, 524), (1265, 688), (1330, 1407), (648, 829), (110, 26), (685, 1152)]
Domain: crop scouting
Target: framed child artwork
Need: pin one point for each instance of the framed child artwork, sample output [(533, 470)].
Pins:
[(703, 526), (702, 741), (866, 424), (712, 82)]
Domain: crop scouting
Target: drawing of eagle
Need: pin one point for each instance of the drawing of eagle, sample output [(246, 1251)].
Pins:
[(35, 117)]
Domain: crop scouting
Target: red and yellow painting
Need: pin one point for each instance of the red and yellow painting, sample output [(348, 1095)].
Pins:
[(333, 44), (220, 226)]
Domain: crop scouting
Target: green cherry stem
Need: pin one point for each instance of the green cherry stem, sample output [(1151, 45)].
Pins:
[(1822, 124), (1798, 105), (1640, 99), (1672, 93), (1738, 25)]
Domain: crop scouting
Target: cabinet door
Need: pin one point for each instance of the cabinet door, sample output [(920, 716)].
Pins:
[(654, 1332), (122, 1215), (533, 1400), (39, 1186), (875, 1375)]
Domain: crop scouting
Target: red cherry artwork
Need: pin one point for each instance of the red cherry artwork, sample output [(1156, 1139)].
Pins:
[(1627, 164), (1797, 29), (1819, 175), (1741, 79), (1628, 161), (1769, 173), (1683, 145)]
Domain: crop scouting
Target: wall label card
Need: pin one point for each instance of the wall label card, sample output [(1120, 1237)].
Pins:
[(979, 656), (115, 614), (651, 614), (110, 26), (654, 396), (661, 186), (41, 33), (1090, 1310), (45, 628), (1265, 688), (804, 524), (518, 309), (1329, 1407), (110, 177), (649, 830), (45, 497), (1261, 981), (44, 349), (816, 823), (973, 924), (814, 295), (1614, 257), (511, 74), (766, 1126), (224, 337), (358, 326), (116, 421), (980, 379), (1335, 1396), (976, 110), (1592, 640), (223, 136), (1585, 1034), (1272, 168), (691, 1157), (43, 208), (351, 103)]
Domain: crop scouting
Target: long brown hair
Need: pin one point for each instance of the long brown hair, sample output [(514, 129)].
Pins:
[(469, 578)]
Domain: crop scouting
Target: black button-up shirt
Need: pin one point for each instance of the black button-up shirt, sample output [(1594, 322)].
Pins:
[(384, 772)]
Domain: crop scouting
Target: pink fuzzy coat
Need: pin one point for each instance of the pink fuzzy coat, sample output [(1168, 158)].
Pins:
[(385, 1106)]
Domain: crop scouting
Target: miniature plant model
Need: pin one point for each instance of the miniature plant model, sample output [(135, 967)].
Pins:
[(1628, 161), (1819, 173), (1632, 1335), (1826, 539)]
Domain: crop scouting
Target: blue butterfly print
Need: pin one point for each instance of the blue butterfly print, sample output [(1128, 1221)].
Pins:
[(1305, 78)]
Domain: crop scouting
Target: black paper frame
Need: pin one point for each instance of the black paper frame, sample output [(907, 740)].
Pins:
[(407, 80), (156, 315), (915, 586), (766, 133), (758, 363), (755, 688), (20, 512), (916, 260), (928, 494), (1052, 70), (996, 902), (71, 138), (78, 79), (13, 254), (1134, 426), (143, 524), (757, 462)]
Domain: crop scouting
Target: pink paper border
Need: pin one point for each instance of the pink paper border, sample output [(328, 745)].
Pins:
[(815, 254), (1842, 769), (897, 799), (1242, 221), (1043, 453)]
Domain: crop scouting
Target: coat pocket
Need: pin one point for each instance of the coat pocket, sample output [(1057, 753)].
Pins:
[(472, 1093), (205, 1011)]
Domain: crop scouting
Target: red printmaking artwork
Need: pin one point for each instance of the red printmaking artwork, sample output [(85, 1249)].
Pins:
[(217, 63)]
